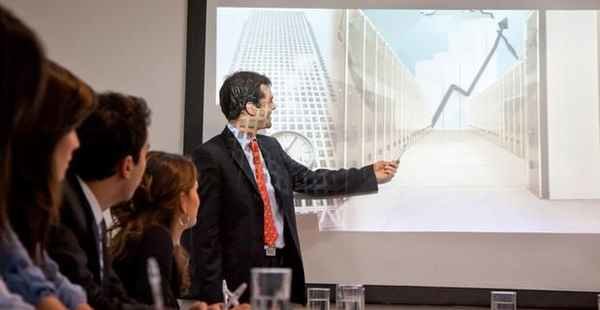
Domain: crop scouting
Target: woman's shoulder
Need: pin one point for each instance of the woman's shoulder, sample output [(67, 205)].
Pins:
[(157, 230), (157, 237)]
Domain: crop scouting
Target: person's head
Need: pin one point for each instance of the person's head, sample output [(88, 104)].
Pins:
[(167, 196), (114, 143), (22, 77), (246, 97), (22, 80), (41, 151)]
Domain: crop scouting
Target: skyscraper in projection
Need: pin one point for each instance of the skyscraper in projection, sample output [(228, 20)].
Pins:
[(281, 44)]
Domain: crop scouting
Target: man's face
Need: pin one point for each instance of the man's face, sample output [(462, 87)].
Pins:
[(258, 116), (267, 106)]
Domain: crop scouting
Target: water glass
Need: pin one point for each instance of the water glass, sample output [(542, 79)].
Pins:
[(271, 288), (350, 297), (318, 298), (502, 300)]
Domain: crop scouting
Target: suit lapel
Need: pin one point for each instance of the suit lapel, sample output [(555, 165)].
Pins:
[(238, 156), (83, 206)]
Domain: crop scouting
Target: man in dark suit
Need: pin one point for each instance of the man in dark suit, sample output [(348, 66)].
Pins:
[(105, 171), (246, 185)]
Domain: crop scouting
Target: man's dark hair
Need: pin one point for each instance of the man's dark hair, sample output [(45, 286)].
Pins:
[(238, 89), (116, 129)]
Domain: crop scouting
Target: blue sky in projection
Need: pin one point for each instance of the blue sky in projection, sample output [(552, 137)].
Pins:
[(417, 35)]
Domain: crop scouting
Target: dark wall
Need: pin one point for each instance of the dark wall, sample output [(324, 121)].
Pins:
[(194, 75)]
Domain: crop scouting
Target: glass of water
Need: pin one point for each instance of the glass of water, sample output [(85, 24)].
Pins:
[(502, 300), (270, 289), (350, 297), (318, 298)]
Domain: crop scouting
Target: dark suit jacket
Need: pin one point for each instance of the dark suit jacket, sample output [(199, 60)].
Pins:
[(228, 241), (73, 245), (156, 241)]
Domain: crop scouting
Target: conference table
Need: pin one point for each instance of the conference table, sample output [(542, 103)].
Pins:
[(412, 307), (415, 307), (185, 305)]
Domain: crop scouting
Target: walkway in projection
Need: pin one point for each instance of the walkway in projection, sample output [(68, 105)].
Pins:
[(459, 159), (461, 181)]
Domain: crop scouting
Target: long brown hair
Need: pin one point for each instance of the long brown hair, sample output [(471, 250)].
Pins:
[(22, 80), (35, 191), (155, 202)]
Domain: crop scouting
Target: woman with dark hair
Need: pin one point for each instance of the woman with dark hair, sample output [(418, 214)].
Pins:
[(22, 81), (40, 152), (22, 78), (164, 205)]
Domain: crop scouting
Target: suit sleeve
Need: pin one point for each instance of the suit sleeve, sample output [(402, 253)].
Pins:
[(203, 241), (324, 182), (72, 260)]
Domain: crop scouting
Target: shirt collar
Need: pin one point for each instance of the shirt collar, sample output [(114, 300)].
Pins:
[(242, 138), (91, 198)]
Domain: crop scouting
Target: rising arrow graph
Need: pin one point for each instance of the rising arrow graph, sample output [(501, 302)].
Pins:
[(502, 25)]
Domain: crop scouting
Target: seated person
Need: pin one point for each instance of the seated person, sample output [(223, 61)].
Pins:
[(39, 156), (105, 170), (21, 80), (163, 206)]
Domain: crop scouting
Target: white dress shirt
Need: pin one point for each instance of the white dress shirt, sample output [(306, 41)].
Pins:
[(244, 141)]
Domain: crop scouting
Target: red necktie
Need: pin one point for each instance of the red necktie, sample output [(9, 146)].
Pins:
[(269, 231)]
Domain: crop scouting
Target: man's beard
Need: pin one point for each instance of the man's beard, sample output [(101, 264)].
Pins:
[(252, 123), (265, 122)]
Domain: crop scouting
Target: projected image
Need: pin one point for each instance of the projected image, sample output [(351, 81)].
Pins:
[(455, 95)]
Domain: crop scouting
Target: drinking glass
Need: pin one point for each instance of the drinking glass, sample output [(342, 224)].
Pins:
[(318, 298), (271, 288), (503, 300), (350, 297)]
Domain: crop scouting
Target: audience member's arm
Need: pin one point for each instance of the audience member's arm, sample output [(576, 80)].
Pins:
[(20, 274), (9, 300), (203, 240), (73, 296)]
